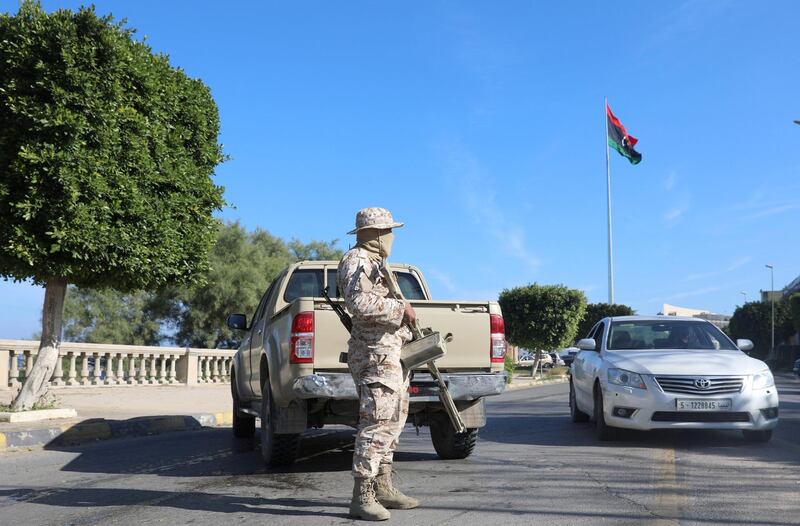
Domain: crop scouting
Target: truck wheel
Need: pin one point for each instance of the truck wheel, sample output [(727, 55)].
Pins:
[(602, 430), (276, 450), (576, 414), (244, 425), (449, 444)]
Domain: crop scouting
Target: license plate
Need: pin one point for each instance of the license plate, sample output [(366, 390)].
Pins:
[(688, 404)]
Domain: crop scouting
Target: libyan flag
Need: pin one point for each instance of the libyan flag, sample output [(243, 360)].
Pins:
[(619, 139)]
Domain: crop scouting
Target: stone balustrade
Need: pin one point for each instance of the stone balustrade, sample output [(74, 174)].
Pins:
[(101, 365)]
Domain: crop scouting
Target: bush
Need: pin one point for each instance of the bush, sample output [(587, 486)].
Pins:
[(509, 367)]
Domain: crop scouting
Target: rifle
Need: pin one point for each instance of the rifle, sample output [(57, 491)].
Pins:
[(424, 349), (345, 318)]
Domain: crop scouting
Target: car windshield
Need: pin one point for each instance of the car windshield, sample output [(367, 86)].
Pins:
[(668, 334)]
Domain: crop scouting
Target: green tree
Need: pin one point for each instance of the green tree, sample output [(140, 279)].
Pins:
[(109, 316), (542, 316), (597, 311), (753, 321), (794, 310), (106, 158)]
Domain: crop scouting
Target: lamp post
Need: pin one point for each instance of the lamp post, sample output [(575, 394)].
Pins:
[(743, 293), (772, 300)]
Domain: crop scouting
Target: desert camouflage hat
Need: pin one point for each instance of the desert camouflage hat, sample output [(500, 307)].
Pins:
[(374, 218)]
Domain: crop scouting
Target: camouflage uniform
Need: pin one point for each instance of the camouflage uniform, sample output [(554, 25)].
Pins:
[(374, 360)]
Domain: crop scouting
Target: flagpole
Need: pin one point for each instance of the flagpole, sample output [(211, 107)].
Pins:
[(608, 187)]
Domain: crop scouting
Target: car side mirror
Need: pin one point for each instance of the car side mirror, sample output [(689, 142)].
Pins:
[(744, 345), (237, 321), (586, 344)]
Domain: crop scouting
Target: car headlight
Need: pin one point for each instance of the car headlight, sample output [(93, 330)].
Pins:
[(626, 378), (763, 380)]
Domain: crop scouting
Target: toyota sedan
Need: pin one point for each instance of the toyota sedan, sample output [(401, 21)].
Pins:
[(662, 372)]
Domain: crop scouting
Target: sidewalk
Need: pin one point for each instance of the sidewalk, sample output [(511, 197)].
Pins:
[(123, 412), (525, 381)]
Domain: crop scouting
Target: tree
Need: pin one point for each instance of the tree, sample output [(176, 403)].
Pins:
[(542, 316), (106, 158), (794, 310), (753, 321), (110, 316), (597, 311)]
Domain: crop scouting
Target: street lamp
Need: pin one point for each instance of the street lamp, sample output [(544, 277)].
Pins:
[(772, 300), (743, 293)]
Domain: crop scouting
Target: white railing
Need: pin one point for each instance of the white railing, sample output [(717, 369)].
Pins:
[(98, 365)]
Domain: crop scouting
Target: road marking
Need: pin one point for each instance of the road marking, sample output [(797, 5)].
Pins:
[(2, 440), (670, 500)]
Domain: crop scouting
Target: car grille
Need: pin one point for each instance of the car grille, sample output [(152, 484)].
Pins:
[(687, 384), (710, 416)]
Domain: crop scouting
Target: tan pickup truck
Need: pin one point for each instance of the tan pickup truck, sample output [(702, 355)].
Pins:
[(287, 371)]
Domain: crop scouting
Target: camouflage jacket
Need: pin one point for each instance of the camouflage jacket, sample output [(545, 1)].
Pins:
[(377, 317)]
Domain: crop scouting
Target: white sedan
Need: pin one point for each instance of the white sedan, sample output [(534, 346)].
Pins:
[(661, 372)]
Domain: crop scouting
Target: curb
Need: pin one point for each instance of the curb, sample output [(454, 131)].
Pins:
[(534, 383), (102, 429)]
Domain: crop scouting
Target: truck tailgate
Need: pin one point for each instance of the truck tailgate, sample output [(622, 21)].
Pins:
[(467, 321)]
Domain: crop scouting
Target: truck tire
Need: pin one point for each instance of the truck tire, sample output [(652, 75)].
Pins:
[(276, 449), (576, 414), (244, 425), (450, 445)]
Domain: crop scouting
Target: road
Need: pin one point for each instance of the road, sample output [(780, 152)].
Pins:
[(532, 466)]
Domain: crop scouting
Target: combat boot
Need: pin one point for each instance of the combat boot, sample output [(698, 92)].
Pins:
[(388, 495), (364, 505)]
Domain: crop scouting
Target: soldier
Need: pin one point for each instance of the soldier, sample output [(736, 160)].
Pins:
[(380, 328)]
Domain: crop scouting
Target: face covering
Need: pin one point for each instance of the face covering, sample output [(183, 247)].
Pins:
[(377, 245)]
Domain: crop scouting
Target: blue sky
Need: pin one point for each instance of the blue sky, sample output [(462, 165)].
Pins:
[(481, 125)]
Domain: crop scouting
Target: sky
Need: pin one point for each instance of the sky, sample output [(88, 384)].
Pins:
[(481, 126)]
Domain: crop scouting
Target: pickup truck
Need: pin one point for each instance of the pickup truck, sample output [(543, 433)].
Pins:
[(287, 371)]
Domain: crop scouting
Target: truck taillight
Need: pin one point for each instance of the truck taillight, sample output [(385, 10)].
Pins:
[(302, 342), (497, 338)]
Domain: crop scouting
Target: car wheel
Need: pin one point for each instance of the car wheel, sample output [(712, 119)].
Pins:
[(757, 436), (244, 425), (576, 414), (450, 445), (276, 449), (602, 430)]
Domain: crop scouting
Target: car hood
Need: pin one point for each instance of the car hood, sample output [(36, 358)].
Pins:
[(688, 362)]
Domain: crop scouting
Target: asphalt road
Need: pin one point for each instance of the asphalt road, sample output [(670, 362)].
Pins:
[(532, 466)]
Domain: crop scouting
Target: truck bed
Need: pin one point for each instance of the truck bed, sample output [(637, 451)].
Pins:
[(467, 321)]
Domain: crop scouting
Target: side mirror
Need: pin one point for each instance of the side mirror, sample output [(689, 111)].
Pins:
[(586, 344), (237, 321), (744, 345)]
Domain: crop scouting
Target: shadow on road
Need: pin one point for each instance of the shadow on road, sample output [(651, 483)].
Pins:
[(195, 501)]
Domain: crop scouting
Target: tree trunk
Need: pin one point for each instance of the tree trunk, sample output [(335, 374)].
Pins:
[(37, 380), (536, 362)]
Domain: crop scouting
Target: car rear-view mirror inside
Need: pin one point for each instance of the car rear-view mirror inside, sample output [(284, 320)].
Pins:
[(586, 344)]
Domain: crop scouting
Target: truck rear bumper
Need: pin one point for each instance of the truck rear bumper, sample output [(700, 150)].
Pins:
[(340, 386)]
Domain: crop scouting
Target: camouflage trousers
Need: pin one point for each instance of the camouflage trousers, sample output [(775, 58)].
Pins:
[(383, 411)]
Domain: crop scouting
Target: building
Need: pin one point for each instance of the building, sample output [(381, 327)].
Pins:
[(720, 320)]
